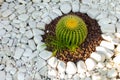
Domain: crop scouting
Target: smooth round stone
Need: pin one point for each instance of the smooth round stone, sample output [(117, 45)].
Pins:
[(61, 66), (84, 8), (81, 67), (112, 73), (75, 6), (90, 63), (36, 1), (117, 59), (29, 34), (18, 53), (96, 76), (52, 73), (118, 48), (31, 44), (57, 11), (65, 8), (20, 76), (71, 68), (2, 32), (45, 54), (23, 17), (6, 13), (2, 75), (53, 62)]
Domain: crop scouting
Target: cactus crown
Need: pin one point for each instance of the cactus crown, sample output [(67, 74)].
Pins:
[(71, 30)]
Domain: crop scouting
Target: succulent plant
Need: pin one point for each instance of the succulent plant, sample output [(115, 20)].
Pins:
[(71, 30)]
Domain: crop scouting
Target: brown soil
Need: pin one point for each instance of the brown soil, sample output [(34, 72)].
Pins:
[(86, 48)]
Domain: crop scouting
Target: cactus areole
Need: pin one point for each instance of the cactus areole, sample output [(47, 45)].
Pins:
[(71, 30)]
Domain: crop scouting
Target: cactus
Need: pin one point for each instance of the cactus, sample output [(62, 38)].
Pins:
[(71, 30)]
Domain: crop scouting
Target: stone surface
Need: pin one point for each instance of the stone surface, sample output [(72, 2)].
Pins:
[(93, 13), (2, 75), (117, 59), (90, 63), (18, 53), (31, 44), (75, 6), (61, 66), (81, 66), (65, 8), (52, 73), (71, 68), (84, 8), (23, 17), (21, 76), (53, 62), (45, 54), (2, 32), (6, 13), (112, 73), (29, 34)]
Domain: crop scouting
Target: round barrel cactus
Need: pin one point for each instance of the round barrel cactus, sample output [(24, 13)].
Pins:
[(71, 30)]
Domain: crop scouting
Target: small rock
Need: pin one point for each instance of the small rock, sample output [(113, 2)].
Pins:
[(107, 45), (65, 8), (112, 73), (41, 46), (118, 27), (52, 73), (37, 76), (88, 78), (22, 30), (55, 1), (36, 14), (36, 1), (71, 68), (84, 8), (108, 53), (2, 75), (81, 67), (45, 54), (117, 34), (90, 63), (57, 11), (37, 39), (104, 21), (37, 32), (96, 76), (76, 77), (6, 13), (91, 14), (43, 70), (23, 17), (97, 57), (118, 48), (88, 2), (8, 27), (61, 66), (46, 20), (31, 44), (75, 6), (32, 24), (5, 40), (18, 53), (62, 75), (8, 76), (107, 37), (29, 34), (100, 65), (21, 76), (41, 25), (82, 75), (102, 15), (53, 15), (53, 62), (2, 32), (2, 67), (117, 59), (27, 52)]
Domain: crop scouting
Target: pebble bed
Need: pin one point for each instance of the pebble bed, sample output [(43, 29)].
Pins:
[(23, 56)]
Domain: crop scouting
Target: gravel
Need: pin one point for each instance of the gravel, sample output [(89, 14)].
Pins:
[(23, 55)]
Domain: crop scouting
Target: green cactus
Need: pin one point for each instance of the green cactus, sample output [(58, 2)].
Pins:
[(71, 30)]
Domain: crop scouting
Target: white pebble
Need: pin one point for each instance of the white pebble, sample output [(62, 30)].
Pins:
[(84, 8), (5, 40), (23, 17), (57, 11), (55, 0), (2, 32), (100, 65), (21, 76), (36, 1), (29, 34), (118, 48), (52, 73), (8, 76), (117, 59), (31, 44), (32, 24), (81, 67), (53, 62), (76, 77), (97, 57), (112, 73), (37, 32), (6, 13), (47, 20), (117, 34), (61, 66), (96, 76), (108, 53), (71, 68), (102, 15), (45, 54), (40, 25), (75, 6), (27, 52), (88, 2), (18, 53), (46, 0), (65, 8), (117, 26), (88, 78), (107, 45), (53, 15), (90, 63), (37, 39), (2, 75), (41, 47), (91, 14)]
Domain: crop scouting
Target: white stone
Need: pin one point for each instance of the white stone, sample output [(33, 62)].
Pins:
[(112, 73), (22, 30), (108, 53), (2, 67), (90, 63), (107, 37), (97, 57), (117, 59), (104, 21), (43, 70), (93, 13), (88, 78), (21, 76), (37, 39), (46, 0), (82, 75), (29, 34), (53, 62), (71, 68), (55, 0), (45, 54), (81, 67), (36, 14), (40, 25), (57, 11), (41, 47), (117, 34), (37, 76), (87, 2), (27, 52), (8, 76), (6, 13), (84, 8), (37, 32), (62, 75), (65, 8), (20, 9), (2, 32), (75, 6), (102, 15), (53, 15), (18, 53), (31, 9), (32, 24), (31, 44), (22, 1), (8, 27), (5, 40), (52, 73), (96, 76), (40, 63), (100, 65), (13, 71), (46, 20), (118, 48), (36, 1), (107, 45), (76, 77), (2, 75), (118, 27), (23, 17), (61, 66)]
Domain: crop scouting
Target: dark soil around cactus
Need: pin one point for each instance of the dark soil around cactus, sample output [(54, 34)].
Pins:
[(86, 48)]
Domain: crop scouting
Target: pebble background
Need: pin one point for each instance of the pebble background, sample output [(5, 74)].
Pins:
[(23, 56)]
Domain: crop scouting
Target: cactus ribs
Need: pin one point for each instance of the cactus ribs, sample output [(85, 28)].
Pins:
[(92, 40)]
